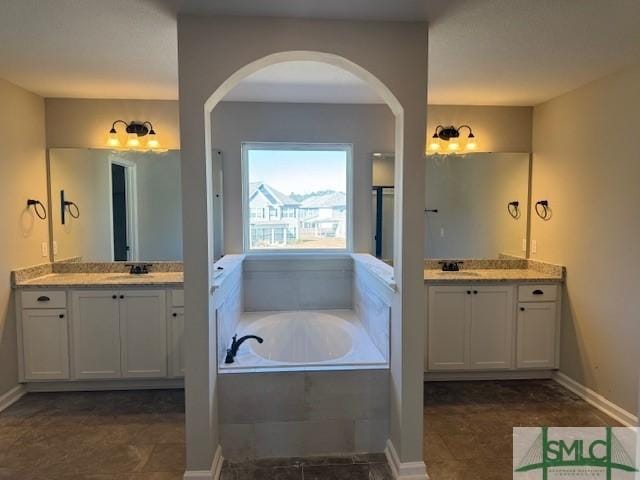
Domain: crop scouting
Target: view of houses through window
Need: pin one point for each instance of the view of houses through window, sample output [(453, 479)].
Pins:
[(297, 196)]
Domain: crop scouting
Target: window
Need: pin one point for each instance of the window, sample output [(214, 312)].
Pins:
[(296, 196)]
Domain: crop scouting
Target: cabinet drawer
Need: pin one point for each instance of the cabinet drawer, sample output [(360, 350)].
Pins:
[(44, 299), (177, 298), (537, 293)]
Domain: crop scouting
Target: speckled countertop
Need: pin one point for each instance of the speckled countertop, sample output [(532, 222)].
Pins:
[(490, 275), (89, 280)]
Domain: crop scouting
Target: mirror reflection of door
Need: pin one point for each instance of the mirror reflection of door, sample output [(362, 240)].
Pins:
[(383, 197), (119, 212)]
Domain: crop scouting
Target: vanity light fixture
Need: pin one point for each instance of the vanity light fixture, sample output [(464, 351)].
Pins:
[(135, 130), (451, 135)]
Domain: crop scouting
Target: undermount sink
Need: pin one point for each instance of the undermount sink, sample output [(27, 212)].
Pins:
[(460, 273), (130, 276)]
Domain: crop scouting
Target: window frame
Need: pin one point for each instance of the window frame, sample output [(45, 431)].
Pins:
[(293, 146)]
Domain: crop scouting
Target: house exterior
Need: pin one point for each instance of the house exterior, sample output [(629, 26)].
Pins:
[(324, 216), (277, 220), (273, 216)]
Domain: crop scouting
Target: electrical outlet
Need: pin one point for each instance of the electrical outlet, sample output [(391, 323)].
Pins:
[(524, 244), (442, 232), (534, 246), (45, 249), (55, 247)]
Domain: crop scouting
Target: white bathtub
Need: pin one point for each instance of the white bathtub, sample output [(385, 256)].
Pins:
[(304, 340)]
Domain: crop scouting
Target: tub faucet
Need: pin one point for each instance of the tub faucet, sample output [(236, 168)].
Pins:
[(235, 345)]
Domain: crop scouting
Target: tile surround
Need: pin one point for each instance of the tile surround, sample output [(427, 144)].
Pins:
[(303, 413)]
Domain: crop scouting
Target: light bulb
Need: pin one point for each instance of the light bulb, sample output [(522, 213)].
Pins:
[(113, 140), (434, 144), (133, 141), (454, 144), (152, 142), (472, 144)]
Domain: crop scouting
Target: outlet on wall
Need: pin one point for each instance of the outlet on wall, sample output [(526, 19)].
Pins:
[(524, 244), (45, 249), (55, 247), (534, 246), (442, 231)]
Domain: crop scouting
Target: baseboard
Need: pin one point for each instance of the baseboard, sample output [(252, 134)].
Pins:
[(407, 470), (11, 397), (97, 385), (487, 375), (593, 398), (211, 474)]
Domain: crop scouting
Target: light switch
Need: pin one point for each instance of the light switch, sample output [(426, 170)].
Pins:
[(45, 249), (534, 246)]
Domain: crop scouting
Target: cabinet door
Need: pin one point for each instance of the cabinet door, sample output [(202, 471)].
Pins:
[(45, 344), (176, 342), (143, 329), (449, 311), (491, 330), (96, 334), (536, 338)]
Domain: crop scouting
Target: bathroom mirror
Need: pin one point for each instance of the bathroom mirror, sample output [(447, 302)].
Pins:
[(115, 205), (476, 205)]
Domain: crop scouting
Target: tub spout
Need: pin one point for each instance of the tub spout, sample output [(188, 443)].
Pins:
[(235, 345)]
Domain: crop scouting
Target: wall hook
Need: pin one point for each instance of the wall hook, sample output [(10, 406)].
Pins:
[(67, 206), (543, 210), (38, 207), (514, 209)]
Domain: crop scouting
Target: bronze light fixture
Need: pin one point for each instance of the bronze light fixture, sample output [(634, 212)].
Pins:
[(448, 139), (135, 130)]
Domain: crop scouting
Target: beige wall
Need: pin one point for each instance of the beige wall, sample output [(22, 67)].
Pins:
[(497, 129), (22, 176), (586, 164), (370, 128), (81, 123)]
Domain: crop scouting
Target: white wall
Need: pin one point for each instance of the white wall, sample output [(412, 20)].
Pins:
[(22, 176), (586, 165), (370, 128), (210, 51)]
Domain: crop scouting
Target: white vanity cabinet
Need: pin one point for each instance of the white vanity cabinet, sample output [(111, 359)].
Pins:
[(470, 327), (176, 334), (119, 334), (537, 340), (101, 334), (143, 333), (45, 344), (482, 328), (96, 334), (44, 331)]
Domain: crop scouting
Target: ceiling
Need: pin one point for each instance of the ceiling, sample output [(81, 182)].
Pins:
[(481, 52), (303, 82)]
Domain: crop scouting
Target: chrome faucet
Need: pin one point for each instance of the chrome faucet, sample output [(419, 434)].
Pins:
[(235, 345)]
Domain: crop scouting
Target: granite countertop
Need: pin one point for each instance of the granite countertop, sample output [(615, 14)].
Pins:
[(490, 275), (155, 279)]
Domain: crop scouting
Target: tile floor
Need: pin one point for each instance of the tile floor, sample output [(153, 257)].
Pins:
[(468, 425), (139, 435)]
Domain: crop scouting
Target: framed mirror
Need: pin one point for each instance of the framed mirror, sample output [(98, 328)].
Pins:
[(108, 206)]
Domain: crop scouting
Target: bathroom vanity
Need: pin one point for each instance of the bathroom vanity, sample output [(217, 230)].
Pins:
[(100, 326), (492, 323)]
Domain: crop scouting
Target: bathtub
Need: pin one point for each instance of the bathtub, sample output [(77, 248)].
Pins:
[(305, 340)]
